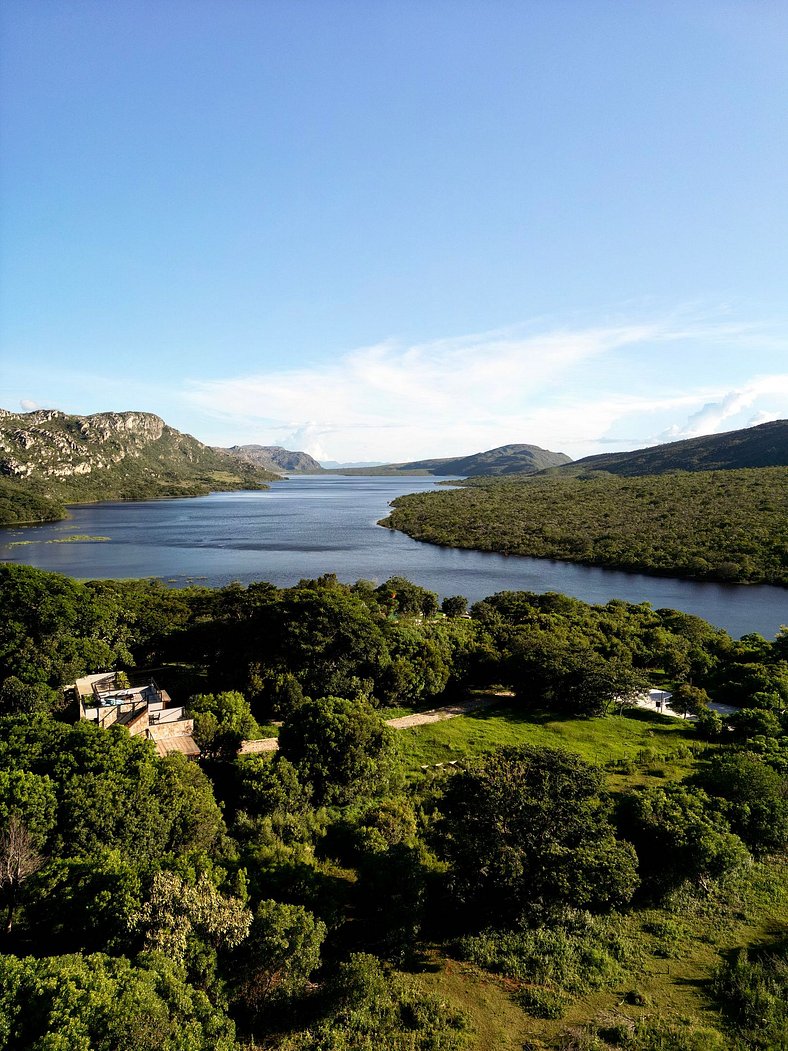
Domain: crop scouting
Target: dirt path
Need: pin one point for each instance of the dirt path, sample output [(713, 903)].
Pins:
[(436, 715), (451, 711), (265, 744)]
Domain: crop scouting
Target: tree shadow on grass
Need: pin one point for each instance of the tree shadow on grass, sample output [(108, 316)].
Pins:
[(515, 714), (643, 715)]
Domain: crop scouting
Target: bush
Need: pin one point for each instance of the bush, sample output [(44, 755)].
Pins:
[(579, 953), (661, 1034), (754, 993), (635, 998), (649, 1034), (669, 934), (374, 1009), (542, 1003)]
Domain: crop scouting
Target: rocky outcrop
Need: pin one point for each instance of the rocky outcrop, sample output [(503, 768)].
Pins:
[(274, 458), (108, 456), (51, 443)]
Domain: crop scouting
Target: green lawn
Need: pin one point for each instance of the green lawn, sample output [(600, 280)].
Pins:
[(674, 956), (675, 951), (596, 740)]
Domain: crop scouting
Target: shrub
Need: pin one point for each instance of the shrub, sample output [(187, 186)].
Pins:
[(668, 933), (754, 993), (635, 998), (375, 1009), (542, 1003), (581, 952)]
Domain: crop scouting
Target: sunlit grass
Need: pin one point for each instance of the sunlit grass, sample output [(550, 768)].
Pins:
[(598, 741), (674, 954)]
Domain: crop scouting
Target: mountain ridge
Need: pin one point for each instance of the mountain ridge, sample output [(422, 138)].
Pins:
[(503, 460), (762, 445), (49, 458), (274, 458)]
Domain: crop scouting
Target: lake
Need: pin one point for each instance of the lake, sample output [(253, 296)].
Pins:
[(314, 524)]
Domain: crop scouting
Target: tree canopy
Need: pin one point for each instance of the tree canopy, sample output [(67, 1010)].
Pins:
[(340, 747), (530, 827)]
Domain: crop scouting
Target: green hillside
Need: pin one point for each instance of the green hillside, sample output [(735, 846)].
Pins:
[(506, 459), (20, 504), (763, 446), (48, 459)]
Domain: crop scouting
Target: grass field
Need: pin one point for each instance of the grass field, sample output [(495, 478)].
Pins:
[(675, 955), (675, 951), (598, 741)]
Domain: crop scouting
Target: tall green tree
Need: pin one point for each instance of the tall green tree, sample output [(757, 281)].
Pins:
[(280, 953), (530, 826), (340, 747), (757, 797), (680, 835), (103, 1003), (221, 722)]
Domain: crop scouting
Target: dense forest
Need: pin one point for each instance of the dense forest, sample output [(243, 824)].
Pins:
[(20, 504), (343, 894), (705, 525)]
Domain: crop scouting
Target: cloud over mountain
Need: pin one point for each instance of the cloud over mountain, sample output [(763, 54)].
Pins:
[(560, 388)]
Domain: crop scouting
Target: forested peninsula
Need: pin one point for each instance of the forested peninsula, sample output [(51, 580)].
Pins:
[(726, 525), (708, 508), (556, 870)]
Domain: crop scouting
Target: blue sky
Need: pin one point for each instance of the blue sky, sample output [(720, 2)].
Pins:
[(398, 228)]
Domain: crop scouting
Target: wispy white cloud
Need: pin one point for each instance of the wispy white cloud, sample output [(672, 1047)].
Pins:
[(453, 395), (731, 409), (391, 401)]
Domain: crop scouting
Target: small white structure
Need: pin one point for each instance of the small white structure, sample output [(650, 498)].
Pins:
[(657, 701)]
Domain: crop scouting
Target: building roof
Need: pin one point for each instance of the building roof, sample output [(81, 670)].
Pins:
[(184, 744)]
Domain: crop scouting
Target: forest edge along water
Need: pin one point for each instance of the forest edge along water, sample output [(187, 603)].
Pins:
[(309, 525)]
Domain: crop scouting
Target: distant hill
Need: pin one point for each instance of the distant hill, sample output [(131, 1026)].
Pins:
[(48, 459), (274, 458), (506, 459), (763, 446)]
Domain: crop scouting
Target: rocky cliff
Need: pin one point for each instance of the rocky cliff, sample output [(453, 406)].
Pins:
[(51, 456), (52, 444)]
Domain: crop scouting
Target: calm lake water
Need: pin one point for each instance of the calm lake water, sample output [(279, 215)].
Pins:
[(311, 525)]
